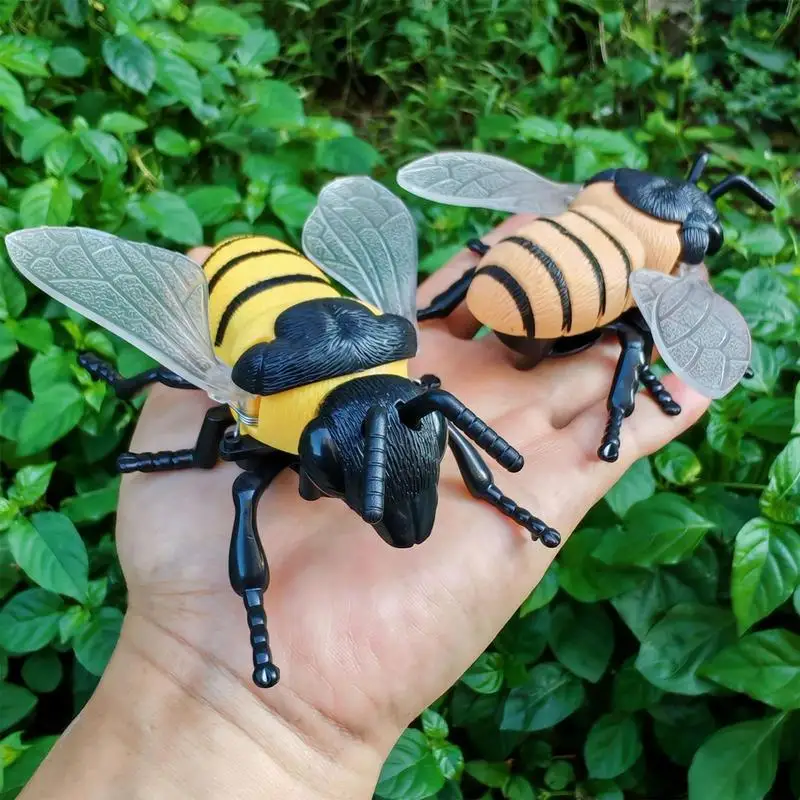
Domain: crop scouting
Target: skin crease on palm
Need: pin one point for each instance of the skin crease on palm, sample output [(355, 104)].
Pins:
[(366, 635)]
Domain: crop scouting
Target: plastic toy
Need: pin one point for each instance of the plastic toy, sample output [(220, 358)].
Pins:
[(306, 378), (618, 253)]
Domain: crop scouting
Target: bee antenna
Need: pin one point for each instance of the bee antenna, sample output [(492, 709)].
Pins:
[(375, 425), (746, 187), (697, 168), (412, 412)]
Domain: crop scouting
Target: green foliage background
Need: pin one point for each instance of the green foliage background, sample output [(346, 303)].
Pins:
[(660, 656)]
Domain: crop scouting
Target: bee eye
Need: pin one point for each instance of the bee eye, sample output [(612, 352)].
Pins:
[(715, 238), (320, 459)]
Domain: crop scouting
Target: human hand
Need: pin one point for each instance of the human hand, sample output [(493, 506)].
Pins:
[(365, 635)]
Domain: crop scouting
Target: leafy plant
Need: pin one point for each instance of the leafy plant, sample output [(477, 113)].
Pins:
[(661, 653)]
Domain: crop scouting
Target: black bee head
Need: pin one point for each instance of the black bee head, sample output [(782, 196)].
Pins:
[(682, 201), (358, 449)]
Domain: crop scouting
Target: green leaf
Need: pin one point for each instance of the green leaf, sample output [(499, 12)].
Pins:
[(171, 216), (20, 772), (602, 141), (7, 9), (18, 58), (738, 762), (8, 344), (278, 105), (764, 54), (632, 692), (635, 485), (545, 591), (766, 567), (120, 123), (586, 578), (45, 203), (678, 464), (31, 482), (16, 702), (781, 499), (291, 204), (550, 695), (559, 775), (11, 95), (38, 137), (769, 418), (51, 552), (257, 47), (103, 148), (92, 506), (434, 724), (13, 408), (29, 620), (410, 772), (582, 639), (674, 648), (34, 333), (663, 529), (613, 746), (347, 156), (95, 642), (449, 759), (65, 156), (518, 788), (764, 665), (131, 60), (76, 11), (179, 78), (492, 775), (213, 204), (52, 415), (172, 143), (42, 671), (541, 129), (68, 62), (218, 21), (485, 676), (641, 607)]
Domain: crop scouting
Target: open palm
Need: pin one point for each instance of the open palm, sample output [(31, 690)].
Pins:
[(367, 635)]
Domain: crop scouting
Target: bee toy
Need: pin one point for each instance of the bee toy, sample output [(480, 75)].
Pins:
[(619, 253), (305, 378)]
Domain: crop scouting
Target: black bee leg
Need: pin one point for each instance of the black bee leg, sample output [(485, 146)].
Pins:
[(247, 564), (480, 483), (203, 455), (659, 393), (624, 386), (478, 247), (127, 387), (445, 303)]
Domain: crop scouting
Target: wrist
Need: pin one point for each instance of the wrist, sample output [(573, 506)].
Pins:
[(162, 725)]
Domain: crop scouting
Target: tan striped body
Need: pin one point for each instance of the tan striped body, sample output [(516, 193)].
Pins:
[(563, 264), (287, 277)]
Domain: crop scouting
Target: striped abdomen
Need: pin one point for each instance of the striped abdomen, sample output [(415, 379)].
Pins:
[(251, 280), (557, 276)]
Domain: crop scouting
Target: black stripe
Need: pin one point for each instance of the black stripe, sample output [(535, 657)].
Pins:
[(555, 273), (226, 268), (620, 247), (252, 291), (502, 276), (590, 257), (222, 246)]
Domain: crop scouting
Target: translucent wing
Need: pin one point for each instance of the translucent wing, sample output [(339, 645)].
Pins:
[(363, 236), (155, 299), (702, 337), (646, 285), (483, 181)]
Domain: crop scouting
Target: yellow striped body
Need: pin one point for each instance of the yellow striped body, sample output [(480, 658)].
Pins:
[(568, 274), (252, 280)]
